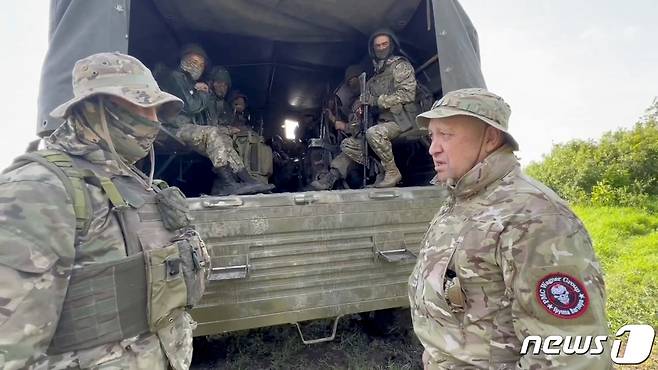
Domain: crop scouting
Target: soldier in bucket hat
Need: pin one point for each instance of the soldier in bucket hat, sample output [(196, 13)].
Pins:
[(505, 257), (75, 248)]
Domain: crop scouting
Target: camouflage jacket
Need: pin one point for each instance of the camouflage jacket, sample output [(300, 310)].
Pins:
[(38, 249), (220, 111), (394, 82), (503, 259), (195, 108)]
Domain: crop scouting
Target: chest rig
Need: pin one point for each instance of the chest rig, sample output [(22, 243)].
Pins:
[(164, 270), (383, 82)]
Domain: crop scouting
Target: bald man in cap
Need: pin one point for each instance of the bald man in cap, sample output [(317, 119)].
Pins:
[(504, 258)]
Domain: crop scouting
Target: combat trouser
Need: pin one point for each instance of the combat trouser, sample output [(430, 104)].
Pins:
[(212, 143)]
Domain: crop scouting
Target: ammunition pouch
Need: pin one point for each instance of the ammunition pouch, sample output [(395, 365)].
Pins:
[(405, 115), (176, 277), (173, 208), (105, 302), (110, 301)]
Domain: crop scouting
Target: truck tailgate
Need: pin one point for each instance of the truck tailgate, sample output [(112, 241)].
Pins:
[(284, 258)]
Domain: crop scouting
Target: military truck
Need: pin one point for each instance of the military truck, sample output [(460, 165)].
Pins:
[(292, 256)]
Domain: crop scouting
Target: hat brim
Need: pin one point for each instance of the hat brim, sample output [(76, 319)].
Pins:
[(167, 104), (423, 120)]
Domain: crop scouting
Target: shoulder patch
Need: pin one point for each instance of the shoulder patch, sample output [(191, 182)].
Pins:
[(562, 295)]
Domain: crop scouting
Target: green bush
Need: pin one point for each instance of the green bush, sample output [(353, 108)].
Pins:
[(619, 169)]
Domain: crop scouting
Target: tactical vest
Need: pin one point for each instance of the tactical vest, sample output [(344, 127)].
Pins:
[(163, 273), (383, 83)]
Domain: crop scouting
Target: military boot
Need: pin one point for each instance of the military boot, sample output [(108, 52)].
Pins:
[(392, 175), (249, 185), (327, 181), (225, 183)]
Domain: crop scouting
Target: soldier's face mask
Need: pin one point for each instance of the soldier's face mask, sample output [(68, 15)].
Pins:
[(382, 47), (132, 133), (194, 65)]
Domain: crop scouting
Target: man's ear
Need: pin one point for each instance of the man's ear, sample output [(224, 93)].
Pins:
[(494, 139)]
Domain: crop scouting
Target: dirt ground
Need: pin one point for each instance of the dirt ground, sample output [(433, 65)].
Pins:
[(382, 340)]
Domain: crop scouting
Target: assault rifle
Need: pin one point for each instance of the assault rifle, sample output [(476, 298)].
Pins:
[(365, 117)]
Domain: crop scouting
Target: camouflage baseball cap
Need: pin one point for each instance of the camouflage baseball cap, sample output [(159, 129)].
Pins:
[(119, 75), (474, 102)]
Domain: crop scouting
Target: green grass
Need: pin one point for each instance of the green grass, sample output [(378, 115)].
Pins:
[(626, 242)]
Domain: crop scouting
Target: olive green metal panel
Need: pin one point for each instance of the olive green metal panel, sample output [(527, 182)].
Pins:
[(283, 258)]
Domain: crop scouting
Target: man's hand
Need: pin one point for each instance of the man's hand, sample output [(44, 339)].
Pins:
[(330, 115), (340, 126), (234, 130), (201, 86)]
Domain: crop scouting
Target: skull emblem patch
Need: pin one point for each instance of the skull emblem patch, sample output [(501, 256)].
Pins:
[(562, 295)]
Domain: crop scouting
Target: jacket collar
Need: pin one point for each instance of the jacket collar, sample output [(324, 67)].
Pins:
[(494, 167)]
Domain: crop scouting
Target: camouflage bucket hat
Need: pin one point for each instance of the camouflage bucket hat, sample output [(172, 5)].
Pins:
[(119, 75), (474, 102)]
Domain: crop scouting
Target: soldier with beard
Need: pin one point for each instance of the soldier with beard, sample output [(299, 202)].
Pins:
[(197, 128), (392, 89), (79, 262)]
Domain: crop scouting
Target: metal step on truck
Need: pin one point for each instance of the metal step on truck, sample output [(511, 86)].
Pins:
[(291, 255)]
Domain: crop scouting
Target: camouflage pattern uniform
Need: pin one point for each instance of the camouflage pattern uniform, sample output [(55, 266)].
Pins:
[(351, 147), (392, 86), (198, 124), (488, 256), (181, 83), (213, 143), (39, 246), (220, 110)]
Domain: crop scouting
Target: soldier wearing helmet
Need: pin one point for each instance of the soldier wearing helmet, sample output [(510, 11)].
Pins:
[(505, 257), (79, 262)]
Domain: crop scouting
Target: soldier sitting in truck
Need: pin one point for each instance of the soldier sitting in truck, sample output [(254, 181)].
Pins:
[(194, 126), (250, 144), (220, 110), (392, 93), (351, 147)]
